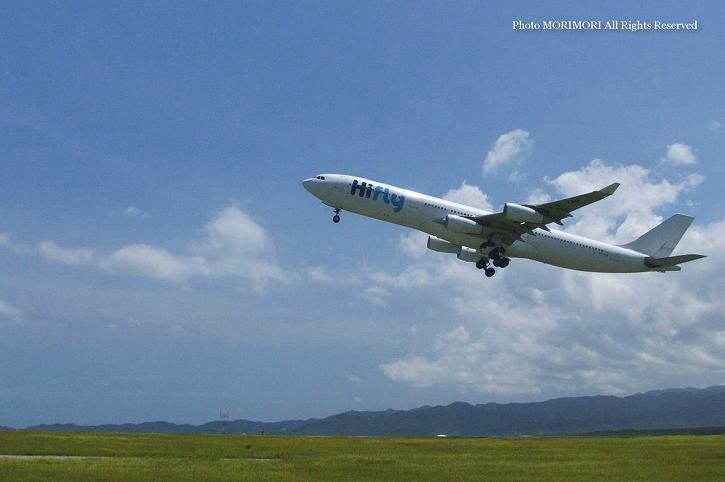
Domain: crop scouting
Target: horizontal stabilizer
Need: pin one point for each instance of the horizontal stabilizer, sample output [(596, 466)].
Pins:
[(670, 260)]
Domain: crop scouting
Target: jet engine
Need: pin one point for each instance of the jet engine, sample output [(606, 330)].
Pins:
[(459, 224), (441, 245), (468, 254), (521, 214)]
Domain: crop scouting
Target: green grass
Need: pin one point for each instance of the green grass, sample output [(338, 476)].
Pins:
[(214, 457)]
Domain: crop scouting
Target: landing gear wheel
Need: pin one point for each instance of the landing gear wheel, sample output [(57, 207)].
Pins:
[(482, 263), (336, 218), (490, 272), (503, 262), (497, 262)]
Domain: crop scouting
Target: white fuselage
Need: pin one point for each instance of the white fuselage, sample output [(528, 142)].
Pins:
[(422, 212)]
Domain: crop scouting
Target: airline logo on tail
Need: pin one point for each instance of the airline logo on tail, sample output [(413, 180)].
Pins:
[(374, 192)]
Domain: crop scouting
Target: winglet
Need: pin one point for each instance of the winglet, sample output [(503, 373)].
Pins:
[(609, 190)]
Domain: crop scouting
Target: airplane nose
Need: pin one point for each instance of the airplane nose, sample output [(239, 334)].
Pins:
[(308, 183)]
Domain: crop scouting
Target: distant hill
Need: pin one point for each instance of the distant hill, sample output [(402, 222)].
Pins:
[(650, 411)]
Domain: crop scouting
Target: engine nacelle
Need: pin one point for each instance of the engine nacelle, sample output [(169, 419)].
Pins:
[(468, 254), (521, 214), (459, 224), (441, 245)]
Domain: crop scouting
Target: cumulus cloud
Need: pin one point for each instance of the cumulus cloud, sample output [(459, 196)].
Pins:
[(538, 196), (635, 202), (679, 154), (469, 195), (233, 246), (715, 125), (154, 262), (509, 148), (541, 329), (413, 243), (236, 246), (79, 256)]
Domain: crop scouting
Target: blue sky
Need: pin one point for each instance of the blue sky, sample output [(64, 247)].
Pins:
[(162, 261)]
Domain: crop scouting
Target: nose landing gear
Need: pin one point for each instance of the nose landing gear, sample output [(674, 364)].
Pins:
[(336, 217)]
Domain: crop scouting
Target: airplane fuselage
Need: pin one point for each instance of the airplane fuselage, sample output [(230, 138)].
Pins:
[(424, 213)]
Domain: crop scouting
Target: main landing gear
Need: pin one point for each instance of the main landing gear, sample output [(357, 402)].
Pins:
[(483, 264), (336, 217), (495, 256)]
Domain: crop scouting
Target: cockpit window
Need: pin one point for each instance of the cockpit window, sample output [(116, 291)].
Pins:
[(321, 178)]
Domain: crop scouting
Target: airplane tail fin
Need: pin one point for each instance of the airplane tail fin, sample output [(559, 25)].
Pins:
[(660, 241)]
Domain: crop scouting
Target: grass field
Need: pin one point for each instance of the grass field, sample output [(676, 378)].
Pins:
[(107, 456)]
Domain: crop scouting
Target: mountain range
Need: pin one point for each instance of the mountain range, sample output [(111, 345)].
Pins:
[(654, 410)]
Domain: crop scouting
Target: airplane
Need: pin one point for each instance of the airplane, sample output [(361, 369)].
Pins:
[(490, 240)]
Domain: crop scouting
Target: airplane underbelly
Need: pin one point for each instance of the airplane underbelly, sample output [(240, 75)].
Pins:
[(585, 260)]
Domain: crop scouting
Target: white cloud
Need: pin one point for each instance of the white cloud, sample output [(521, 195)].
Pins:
[(79, 256), (534, 328), (4, 239), (715, 125), (469, 195), (232, 233), (236, 246), (134, 212), (636, 200), (413, 243), (509, 148), (233, 246), (538, 196), (680, 154), (154, 262)]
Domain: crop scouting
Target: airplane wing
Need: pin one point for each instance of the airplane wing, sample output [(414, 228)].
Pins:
[(517, 219), (556, 211)]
